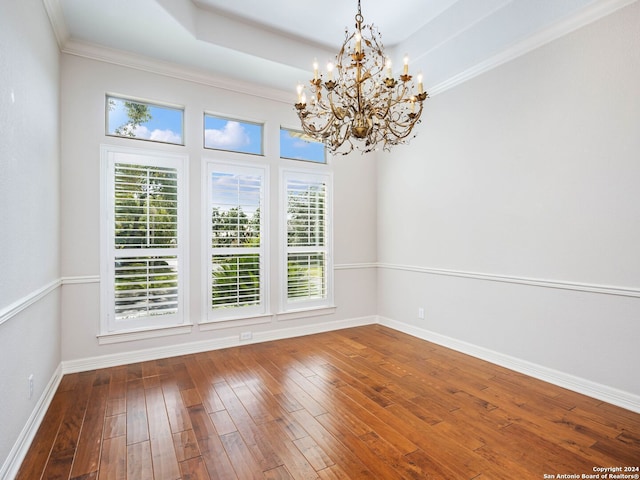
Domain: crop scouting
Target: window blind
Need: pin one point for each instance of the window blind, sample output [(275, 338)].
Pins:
[(236, 240), (145, 203), (306, 200)]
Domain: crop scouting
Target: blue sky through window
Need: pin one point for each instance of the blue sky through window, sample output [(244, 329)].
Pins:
[(233, 135), (296, 145), (165, 125), (231, 190)]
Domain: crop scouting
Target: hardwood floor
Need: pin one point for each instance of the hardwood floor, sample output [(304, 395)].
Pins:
[(366, 402)]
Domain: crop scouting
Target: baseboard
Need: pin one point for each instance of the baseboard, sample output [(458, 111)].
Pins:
[(105, 361), (607, 394), (601, 392), (10, 468), (592, 389)]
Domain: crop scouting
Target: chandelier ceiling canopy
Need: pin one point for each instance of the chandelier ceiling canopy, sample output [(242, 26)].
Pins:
[(359, 104)]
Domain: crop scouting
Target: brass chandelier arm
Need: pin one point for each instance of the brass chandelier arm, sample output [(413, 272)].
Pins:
[(361, 107)]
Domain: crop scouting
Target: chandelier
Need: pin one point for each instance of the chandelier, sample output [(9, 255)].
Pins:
[(360, 100)]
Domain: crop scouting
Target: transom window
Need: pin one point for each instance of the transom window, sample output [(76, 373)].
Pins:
[(233, 135), (144, 121), (297, 145), (144, 236)]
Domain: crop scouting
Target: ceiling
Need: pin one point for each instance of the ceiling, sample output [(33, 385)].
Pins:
[(274, 43)]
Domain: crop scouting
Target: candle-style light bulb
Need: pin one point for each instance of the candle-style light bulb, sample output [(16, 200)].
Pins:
[(299, 90), (388, 64), (420, 86), (330, 70), (315, 69), (358, 41), (406, 64)]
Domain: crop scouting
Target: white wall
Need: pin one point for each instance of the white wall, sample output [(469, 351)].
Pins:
[(29, 213), (84, 84), (529, 173)]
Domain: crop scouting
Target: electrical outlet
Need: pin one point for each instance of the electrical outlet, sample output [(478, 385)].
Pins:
[(421, 313), (246, 336), (30, 386)]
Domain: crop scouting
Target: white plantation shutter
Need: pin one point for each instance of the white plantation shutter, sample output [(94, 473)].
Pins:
[(144, 256), (145, 286), (236, 209), (145, 206), (308, 259)]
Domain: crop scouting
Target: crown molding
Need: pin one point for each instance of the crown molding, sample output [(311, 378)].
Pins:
[(594, 12), (559, 29), (173, 70), (56, 17)]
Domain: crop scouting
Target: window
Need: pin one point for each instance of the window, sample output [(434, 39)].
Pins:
[(236, 241), (144, 121), (307, 258), (232, 135), (297, 145), (143, 242)]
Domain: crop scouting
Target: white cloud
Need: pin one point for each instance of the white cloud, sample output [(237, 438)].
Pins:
[(157, 135), (233, 190), (301, 144), (232, 136)]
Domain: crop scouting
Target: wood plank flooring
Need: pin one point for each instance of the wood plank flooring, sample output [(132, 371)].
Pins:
[(365, 402)]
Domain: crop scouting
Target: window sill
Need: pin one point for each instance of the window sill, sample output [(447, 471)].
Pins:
[(208, 325), (133, 335), (306, 312)]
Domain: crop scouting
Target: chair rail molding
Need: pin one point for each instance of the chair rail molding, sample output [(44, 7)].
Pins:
[(25, 302), (536, 282)]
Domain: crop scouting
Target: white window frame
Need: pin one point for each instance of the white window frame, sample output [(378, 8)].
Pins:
[(148, 103), (312, 176), (109, 324), (325, 160), (231, 118), (251, 313)]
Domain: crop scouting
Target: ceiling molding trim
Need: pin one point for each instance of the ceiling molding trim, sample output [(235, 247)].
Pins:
[(589, 15), (56, 17), (415, 40), (180, 72)]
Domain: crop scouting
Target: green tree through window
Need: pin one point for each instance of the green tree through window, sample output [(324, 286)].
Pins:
[(145, 215), (236, 250), (137, 114), (306, 240), (144, 121), (235, 278)]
